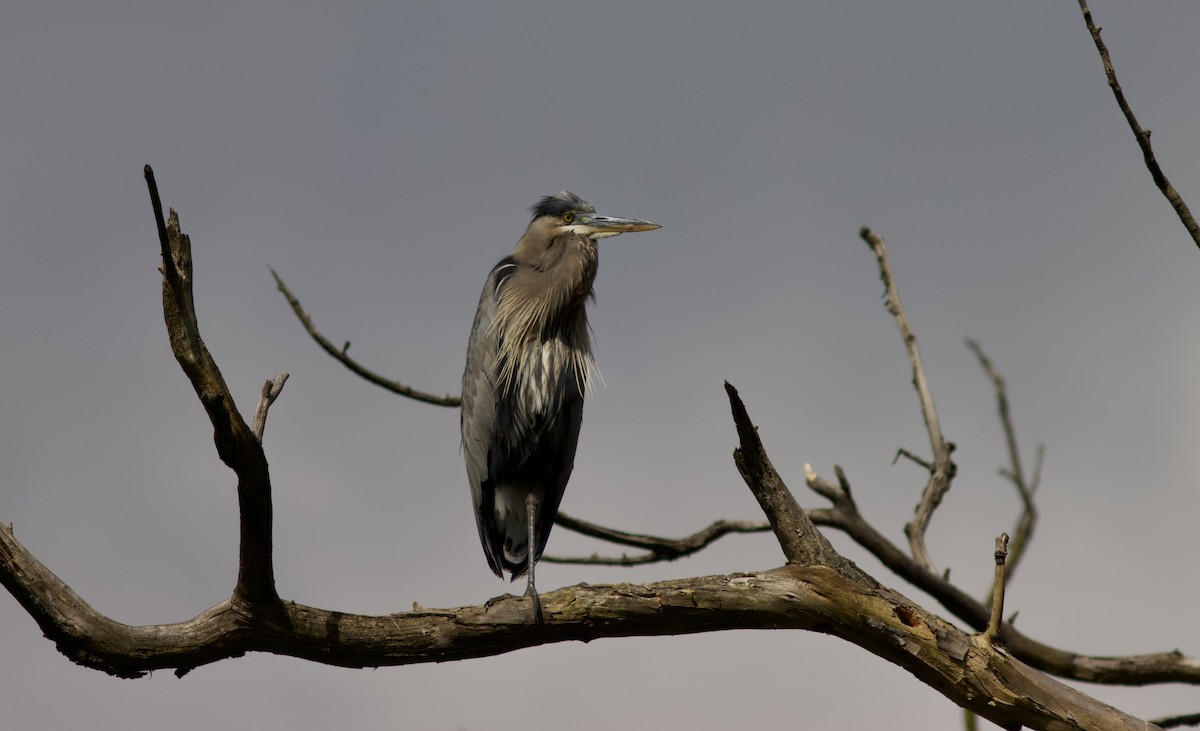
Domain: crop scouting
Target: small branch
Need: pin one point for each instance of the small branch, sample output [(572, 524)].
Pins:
[(829, 491), (798, 537), (902, 452), (341, 356), (658, 548), (270, 392), (996, 620), (1142, 135), (942, 467), (1010, 438), (1015, 474)]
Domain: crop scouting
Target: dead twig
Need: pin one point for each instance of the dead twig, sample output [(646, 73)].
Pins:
[(1142, 135)]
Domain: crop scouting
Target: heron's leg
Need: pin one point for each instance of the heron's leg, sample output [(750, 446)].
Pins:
[(532, 504)]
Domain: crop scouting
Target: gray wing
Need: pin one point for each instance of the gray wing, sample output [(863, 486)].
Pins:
[(478, 412)]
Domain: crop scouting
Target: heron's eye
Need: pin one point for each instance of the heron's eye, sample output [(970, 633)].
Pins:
[(568, 217)]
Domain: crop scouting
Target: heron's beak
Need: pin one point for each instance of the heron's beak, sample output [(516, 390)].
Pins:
[(595, 226)]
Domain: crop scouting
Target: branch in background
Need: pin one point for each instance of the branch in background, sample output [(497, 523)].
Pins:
[(942, 467), (1186, 719), (342, 356), (1014, 473), (1142, 135), (657, 548)]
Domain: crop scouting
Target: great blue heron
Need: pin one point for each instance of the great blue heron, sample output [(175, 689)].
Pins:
[(529, 362)]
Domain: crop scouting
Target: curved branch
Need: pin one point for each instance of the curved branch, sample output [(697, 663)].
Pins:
[(942, 469), (342, 356), (658, 548), (1015, 474), (1142, 135)]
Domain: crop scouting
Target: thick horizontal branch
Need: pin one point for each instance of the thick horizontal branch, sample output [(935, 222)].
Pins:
[(976, 675), (657, 548), (342, 356)]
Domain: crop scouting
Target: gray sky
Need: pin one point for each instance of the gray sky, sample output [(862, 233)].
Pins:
[(382, 158)]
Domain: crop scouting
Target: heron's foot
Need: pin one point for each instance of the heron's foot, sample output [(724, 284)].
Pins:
[(537, 605), (497, 599)]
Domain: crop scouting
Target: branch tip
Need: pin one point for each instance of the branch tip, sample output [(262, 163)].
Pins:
[(1000, 555)]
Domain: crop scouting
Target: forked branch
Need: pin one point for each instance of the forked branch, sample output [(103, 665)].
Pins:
[(1014, 472)]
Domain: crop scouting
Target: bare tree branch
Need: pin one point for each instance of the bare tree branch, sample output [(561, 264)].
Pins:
[(1142, 135), (942, 468), (342, 356), (658, 548)]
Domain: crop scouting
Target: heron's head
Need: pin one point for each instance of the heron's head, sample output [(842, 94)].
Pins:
[(556, 259), (555, 265), (567, 213)]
